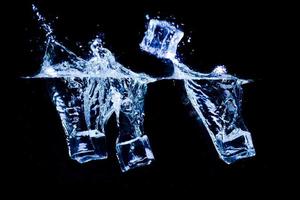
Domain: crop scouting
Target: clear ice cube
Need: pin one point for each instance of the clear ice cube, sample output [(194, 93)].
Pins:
[(87, 145), (161, 39), (134, 153)]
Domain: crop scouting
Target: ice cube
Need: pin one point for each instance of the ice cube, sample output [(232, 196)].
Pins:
[(134, 153), (87, 145), (161, 39)]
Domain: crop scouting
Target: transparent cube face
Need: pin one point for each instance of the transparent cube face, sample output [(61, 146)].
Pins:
[(134, 153), (218, 103), (87, 146), (161, 39)]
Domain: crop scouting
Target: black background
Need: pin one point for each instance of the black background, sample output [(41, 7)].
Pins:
[(240, 36)]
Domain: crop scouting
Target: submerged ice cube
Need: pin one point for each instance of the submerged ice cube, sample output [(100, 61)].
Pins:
[(161, 39), (87, 145), (134, 153)]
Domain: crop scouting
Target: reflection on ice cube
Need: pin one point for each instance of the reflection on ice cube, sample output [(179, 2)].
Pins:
[(87, 146), (134, 153), (161, 39)]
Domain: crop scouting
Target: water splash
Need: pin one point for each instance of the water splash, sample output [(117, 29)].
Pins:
[(44, 25), (87, 92), (216, 96)]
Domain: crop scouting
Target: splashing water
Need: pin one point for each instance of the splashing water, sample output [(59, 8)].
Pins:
[(216, 96), (86, 92)]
